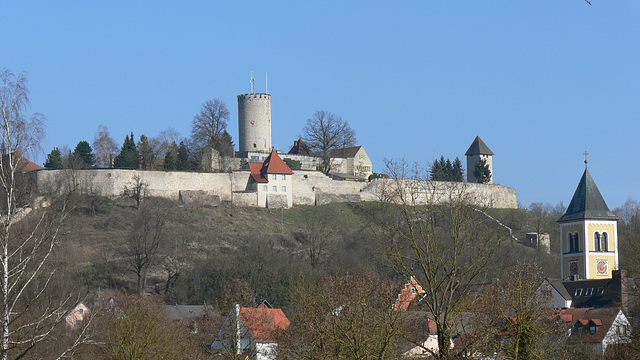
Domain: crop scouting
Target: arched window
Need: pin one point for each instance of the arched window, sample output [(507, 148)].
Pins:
[(576, 242), (570, 242), (604, 242), (596, 241)]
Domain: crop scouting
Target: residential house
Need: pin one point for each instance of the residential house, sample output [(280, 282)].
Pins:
[(76, 316), (272, 180), (596, 328), (250, 331), (202, 320), (351, 161)]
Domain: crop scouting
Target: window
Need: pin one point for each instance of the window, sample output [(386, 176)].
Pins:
[(600, 291), (413, 290), (574, 243), (284, 177), (275, 177), (284, 189), (604, 242), (266, 188), (578, 293), (275, 188), (592, 329), (589, 292), (596, 241), (254, 146), (254, 157), (81, 311)]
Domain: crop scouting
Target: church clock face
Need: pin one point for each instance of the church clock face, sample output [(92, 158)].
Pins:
[(573, 268), (602, 267)]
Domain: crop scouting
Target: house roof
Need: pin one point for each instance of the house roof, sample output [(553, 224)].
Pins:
[(273, 164), (610, 296), (179, 312), (23, 165), (602, 318), (408, 296), (300, 148), (587, 202), (347, 152), (263, 322), (478, 147), (255, 172)]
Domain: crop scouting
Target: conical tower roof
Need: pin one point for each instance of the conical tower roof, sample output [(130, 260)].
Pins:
[(587, 202), (478, 147)]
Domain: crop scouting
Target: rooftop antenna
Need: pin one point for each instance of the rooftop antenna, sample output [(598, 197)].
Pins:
[(266, 79), (586, 160), (252, 80)]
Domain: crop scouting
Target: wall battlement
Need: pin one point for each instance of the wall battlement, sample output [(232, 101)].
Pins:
[(255, 96)]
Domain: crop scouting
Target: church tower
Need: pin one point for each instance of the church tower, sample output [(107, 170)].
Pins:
[(589, 234)]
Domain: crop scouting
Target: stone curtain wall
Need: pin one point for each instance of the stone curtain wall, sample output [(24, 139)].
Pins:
[(309, 187)]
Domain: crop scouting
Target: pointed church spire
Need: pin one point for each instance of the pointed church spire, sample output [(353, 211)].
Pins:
[(587, 202)]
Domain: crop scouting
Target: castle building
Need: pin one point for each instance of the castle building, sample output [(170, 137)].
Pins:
[(476, 152), (272, 181), (589, 234), (254, 124)]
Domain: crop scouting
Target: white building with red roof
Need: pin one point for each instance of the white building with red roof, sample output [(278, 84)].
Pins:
[(273, 181)]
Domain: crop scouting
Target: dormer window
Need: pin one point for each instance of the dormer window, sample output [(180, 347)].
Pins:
[(578, 293), (413, 291), (592, 329), (600, 291), (589, 292)]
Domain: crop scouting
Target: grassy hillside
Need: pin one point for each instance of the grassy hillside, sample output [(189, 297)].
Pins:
[(206, 248)]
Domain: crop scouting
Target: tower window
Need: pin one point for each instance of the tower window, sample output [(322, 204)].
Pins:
[(596, 241), (604, 242), (254, 146), (574, 243)]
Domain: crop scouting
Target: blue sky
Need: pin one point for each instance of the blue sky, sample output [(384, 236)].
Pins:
[(540, 81)]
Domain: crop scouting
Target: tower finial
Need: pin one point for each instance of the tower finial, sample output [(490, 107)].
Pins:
[(586, 160), (252, 80)]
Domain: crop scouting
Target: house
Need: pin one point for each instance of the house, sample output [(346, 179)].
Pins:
[(272, 180), (596, 328), (409, 296), (76, 316), (351, 161), (250, 331), (202, 320)]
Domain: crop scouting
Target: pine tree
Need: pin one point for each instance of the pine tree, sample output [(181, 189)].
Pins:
[(54, 159), (182, 158), (129, 156), (458, 171), (146, 153), (482, 172), (170, 157), (224, 144), (84, 153)]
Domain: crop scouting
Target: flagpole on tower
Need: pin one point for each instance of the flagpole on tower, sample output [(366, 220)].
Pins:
[(252, 80)]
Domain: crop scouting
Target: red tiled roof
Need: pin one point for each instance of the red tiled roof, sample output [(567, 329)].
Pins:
[(407, 296), (264, 322), (273, 164), (255, 172), (24, 165)]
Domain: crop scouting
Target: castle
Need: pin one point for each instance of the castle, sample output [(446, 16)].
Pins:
[(268, 181)]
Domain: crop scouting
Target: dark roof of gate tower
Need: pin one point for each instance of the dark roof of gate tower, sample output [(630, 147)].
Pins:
[(478, 147), (587, 202)]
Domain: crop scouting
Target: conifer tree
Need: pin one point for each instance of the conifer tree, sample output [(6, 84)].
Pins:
[(182, 158), (170, 157), (458, 171), (129, 156), (83, 153), (54, 159), (482, 172), (146, 153)]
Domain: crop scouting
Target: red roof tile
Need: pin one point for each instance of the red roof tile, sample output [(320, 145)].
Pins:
[(264, 322), (273, 164)]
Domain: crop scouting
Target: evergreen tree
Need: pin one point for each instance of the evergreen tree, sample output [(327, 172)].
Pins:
[(224, 144), (129, 156), (84, 154), (54, 159), (182, 158), (482, 172), (458, 171), (170, 157), (146, 153)]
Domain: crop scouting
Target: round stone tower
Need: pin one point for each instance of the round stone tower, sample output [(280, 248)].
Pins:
[(254, 123)]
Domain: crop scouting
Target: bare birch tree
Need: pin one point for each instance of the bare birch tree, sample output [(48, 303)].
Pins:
[(432, 233), (27, 240), (104, 147)]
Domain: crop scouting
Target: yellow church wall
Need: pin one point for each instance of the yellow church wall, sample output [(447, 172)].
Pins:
[(566, 229), (593, 263), (581, 269), (609, 228)]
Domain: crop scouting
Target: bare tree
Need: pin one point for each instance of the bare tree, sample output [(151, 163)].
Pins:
[(208, 126), (326, 132), (104, 147), (136, 190), (434, 235), (27, 240), (144, 242)]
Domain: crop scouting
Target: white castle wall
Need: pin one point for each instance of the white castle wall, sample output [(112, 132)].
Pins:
[(308, 187)]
